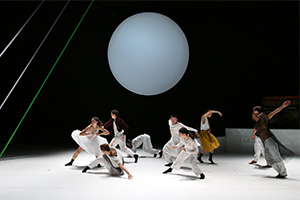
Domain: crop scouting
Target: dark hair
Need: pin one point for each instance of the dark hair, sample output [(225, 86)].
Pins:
[(174, 115), (99, 122), (257, 108), (104, 147), (115, 112), (187, 132)]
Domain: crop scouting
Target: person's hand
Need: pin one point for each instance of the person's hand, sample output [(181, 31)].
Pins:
[(220, 114), (253, 137), (197, 133), (183, 149), (286, 103), (130, 176), (173, 147), (123, 137)]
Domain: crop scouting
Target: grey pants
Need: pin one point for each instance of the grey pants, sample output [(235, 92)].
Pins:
[(104, 160)]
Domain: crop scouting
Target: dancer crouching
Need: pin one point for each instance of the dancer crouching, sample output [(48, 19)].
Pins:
[(112, 159), (190, 150)]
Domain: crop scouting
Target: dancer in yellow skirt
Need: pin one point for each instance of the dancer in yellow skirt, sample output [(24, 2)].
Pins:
[(207, 139)]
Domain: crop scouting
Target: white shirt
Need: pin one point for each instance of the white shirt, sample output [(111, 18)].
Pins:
[(205, 126), (117, 133), (174, 128), (115, 160), (190, 145)]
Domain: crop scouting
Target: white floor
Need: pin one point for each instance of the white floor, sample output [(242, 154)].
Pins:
[(41, 177)]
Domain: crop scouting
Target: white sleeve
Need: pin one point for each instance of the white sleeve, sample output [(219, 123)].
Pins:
[(189, 128)]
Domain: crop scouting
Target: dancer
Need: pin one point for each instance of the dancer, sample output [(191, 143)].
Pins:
[(169, 153), (207, 139), (189, 146), (144, 140), (259, 148), (121, 130), (273, 148), (89, 139), (113, 161)]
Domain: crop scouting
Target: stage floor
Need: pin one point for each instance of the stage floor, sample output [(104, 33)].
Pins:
[(44, 176)]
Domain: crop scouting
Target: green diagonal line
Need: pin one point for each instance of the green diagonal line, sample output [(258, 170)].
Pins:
[(46, 79)]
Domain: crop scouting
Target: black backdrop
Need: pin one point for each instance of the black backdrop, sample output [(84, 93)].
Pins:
[(240, 52)]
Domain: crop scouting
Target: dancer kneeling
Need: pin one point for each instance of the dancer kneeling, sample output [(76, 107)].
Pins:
[(190, 149), (145, 141), (112, 159)]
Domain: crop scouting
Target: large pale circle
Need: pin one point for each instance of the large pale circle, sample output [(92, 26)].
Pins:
[(148, 53)]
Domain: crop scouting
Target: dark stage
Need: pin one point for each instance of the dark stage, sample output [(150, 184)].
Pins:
[(241, 54)]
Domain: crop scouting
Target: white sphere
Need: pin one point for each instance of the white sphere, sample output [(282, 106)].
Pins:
[(148, 53)]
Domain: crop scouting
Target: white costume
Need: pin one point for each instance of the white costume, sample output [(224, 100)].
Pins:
[(170, 154), (259, 148), (90, 143), (110, 162), (144, 140), (191, 150), (118, 141), (204, 126)]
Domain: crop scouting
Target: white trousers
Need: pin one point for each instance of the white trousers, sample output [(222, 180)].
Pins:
[(144, 140), (170, 154), (193, 160), (280, 168), (259, 148), (123, 146)]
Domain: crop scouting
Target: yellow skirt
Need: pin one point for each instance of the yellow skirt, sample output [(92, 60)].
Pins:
[(208, 141)]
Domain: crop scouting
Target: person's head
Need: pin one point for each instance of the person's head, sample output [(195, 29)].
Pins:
[(186, 134), (105, 149), (114, 114), (174, 118), (96, 121), (255, 116), (257, 108), (256, 113), (129, 143)]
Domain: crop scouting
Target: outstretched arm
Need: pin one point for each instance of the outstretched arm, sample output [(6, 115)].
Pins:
[(124, 169), (112, 142), (284, 104)]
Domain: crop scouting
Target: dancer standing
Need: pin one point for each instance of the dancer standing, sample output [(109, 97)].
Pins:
[(273, 148), (89, 139), (259, 148), (113, 161), (169, 153), (145, 140), (189, 150), (207, 139), (121, 130)]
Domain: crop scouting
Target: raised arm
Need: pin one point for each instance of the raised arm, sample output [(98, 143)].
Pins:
[(104, 131), (277, 110), (210, 112)]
